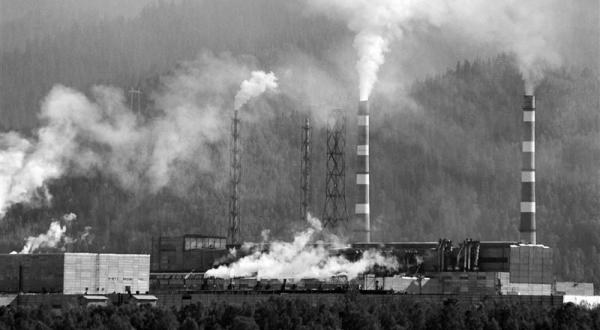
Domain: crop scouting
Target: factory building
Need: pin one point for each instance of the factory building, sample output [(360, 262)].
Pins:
[(74, 273), (188, 253), (490, 267), (177, 264)]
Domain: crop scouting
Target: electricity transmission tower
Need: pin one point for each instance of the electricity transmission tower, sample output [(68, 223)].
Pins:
[(135, 100), (233, 233), (305, 168), (335, 211)]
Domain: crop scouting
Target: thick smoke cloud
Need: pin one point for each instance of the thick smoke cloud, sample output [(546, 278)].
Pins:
[(259, 83), (101, 133), (538, 32), (529, 29), (376, 24), (301, 258), (317, 86), (53, 238)]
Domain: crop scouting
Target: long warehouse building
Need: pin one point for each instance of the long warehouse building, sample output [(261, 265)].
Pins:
[(75, 273)]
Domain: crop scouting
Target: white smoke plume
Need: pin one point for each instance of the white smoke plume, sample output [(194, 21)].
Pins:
[(25, 165), (54, 237), (259, 83), (529, 29), (301, 258), (376, 23), (265, 235), (533, 30), (101, 133)]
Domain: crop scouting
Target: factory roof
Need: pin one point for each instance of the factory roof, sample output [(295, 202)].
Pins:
[(94, 298), (203, 236), (144, 297), (71, 253), (7, 299)]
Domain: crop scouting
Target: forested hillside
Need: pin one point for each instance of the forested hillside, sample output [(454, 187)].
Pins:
[(445, 158), (125, 52)]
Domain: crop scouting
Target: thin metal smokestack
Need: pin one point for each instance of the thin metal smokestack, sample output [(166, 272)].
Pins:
[(527, 226), (362, 208)]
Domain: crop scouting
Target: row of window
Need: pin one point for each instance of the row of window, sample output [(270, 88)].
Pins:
[(192, 243)]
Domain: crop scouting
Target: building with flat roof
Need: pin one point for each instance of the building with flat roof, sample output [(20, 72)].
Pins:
[(75, 273)]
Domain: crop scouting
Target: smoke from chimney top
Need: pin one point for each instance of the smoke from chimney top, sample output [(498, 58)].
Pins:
[(532, 30), (82, 135), (259, 83)]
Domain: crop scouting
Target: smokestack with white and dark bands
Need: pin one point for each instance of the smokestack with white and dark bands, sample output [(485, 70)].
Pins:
[(362, 209), (527, 227)]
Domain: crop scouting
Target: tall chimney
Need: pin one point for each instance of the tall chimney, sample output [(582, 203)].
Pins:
[(527, 227), (362, 209)]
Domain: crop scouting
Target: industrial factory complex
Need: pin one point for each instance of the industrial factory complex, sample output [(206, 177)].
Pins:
[(174, 273)]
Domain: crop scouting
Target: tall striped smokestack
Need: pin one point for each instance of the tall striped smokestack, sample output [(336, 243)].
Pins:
[(527, 227), (362, 209)]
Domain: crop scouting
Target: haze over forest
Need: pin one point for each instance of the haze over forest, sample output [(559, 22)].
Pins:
[(445, 124)]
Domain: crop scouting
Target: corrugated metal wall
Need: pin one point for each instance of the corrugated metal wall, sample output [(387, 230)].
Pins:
[(531, 264), (31, 272)]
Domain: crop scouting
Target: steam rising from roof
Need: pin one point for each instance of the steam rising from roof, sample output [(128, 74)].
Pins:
[(52, 238), (301, 258)]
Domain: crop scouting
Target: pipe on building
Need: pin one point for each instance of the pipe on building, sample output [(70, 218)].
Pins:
[(362, 207), (527, 225)]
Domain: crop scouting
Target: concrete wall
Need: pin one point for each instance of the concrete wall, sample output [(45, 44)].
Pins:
[(575, 288), (531, 264), (106, 273), (508, 287)]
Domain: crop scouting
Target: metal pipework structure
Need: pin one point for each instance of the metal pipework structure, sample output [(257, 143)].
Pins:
[(527, 225), (233, 231), (362, 208)]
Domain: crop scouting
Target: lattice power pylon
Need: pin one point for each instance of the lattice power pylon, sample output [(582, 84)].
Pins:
[(233, 232), (305, 169), (335, 211), (135, 100)]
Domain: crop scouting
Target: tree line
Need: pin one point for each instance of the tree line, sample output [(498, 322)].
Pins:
[(281, 313)]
